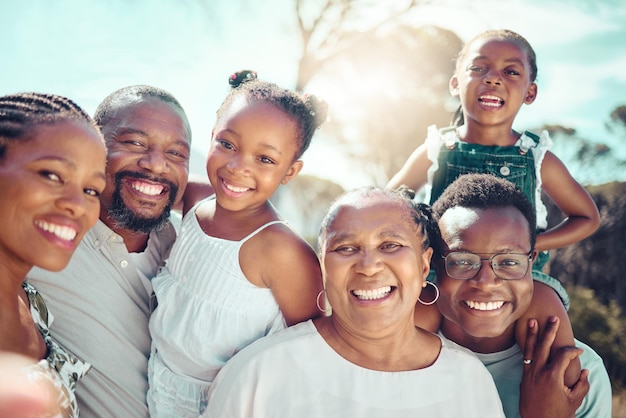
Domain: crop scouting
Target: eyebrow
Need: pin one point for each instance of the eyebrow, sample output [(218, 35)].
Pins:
[(273, 148), (338, 237), (483, 57), (238, 137), (125, 131), (67, 163)]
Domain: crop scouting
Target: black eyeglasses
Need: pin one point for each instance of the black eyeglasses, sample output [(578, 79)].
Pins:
[(464, 265)]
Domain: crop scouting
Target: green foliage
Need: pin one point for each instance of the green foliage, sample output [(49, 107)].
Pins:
[(603, 328)]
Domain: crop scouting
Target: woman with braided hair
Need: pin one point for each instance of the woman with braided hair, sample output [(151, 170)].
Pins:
[(52, 162), (237, 272)]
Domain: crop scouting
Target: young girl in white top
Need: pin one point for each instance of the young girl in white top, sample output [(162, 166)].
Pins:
[(237, 272)]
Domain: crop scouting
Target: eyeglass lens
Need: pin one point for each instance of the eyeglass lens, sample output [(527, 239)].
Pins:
[(464, 265)]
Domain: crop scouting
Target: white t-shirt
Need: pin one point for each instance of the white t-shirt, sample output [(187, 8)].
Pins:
[(295, 373)]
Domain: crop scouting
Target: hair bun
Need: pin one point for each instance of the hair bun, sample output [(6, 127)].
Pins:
[(406, 191), (240, 77), (317, 107)]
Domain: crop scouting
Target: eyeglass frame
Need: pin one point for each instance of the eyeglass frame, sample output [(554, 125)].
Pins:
[(490, 259)]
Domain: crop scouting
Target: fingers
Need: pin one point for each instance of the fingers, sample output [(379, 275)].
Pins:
[(544, 343), (563, 357), (580, 389), (19, 396), (531, 341)]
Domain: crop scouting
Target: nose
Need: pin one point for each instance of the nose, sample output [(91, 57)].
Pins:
[(238, 165), (73, 200), (492, 78), (154, 161), (486, 277), (370, 263)]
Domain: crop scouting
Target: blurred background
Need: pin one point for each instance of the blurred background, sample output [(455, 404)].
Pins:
[(383, 67)]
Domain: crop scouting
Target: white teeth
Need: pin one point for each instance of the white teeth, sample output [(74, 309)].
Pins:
[(64, 232), (236, 189), (372, 294), (493, 101), (149, 189), (484, 306)]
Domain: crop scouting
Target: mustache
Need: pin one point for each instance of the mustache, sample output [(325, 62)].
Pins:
[(142, 176)]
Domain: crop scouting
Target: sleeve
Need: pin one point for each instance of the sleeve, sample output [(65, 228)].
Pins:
[(598, 402)]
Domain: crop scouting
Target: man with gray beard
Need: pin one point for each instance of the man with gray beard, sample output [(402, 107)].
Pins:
[(102, 301)]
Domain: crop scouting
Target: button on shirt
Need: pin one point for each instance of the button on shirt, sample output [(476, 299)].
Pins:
[(102, 302)]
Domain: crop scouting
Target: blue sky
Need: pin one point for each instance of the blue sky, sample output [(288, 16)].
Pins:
[(86, 49)]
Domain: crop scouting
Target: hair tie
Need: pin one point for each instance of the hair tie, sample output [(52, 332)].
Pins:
[(239, 77)]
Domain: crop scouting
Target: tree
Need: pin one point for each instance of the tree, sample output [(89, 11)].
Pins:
[(617, 121), (602, 327), (384, 78), (327, 30)]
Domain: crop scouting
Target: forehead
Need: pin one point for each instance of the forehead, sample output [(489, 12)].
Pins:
[(371, 214), (242, 108), (495, 48), (149, 113), (63, 138), (485, 230)]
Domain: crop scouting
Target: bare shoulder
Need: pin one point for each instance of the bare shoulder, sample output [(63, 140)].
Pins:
[(282, 243), (274, 252), (279, 259)]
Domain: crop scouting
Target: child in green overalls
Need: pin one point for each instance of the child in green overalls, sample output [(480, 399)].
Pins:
[(495, 75)]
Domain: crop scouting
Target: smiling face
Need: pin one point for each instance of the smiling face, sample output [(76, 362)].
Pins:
[(148, 164), (374, 265), (480, 313), (252, 153), (493, 80), (49, 185)]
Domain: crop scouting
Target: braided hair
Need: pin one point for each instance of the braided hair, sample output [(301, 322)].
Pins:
[(420, 213), (20, 113), (306, 110)]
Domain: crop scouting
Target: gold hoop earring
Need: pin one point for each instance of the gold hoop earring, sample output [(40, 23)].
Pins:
[(436, 294), (317, 302)]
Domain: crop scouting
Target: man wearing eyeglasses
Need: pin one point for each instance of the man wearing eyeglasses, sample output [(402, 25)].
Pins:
[(484, 277)]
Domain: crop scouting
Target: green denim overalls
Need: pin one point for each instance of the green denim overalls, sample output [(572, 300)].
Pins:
[(513, 163)]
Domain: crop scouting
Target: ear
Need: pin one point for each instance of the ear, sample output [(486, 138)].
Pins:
[(534, 255), (453, 85), (426, 260), (531, 94), (292, 172)]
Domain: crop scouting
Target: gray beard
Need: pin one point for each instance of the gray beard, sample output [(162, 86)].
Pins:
[(125, 218)]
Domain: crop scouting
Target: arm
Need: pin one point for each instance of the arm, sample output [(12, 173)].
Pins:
[(543, 393), (413, 173), (282, 261), (582, 217), (198, 187), (546, 303)]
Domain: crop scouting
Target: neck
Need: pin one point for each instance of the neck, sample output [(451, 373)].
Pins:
[(235, 225), (15, 318), (483, 345), (135, 241), (13, 271), (406, 348), (499, 135)]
